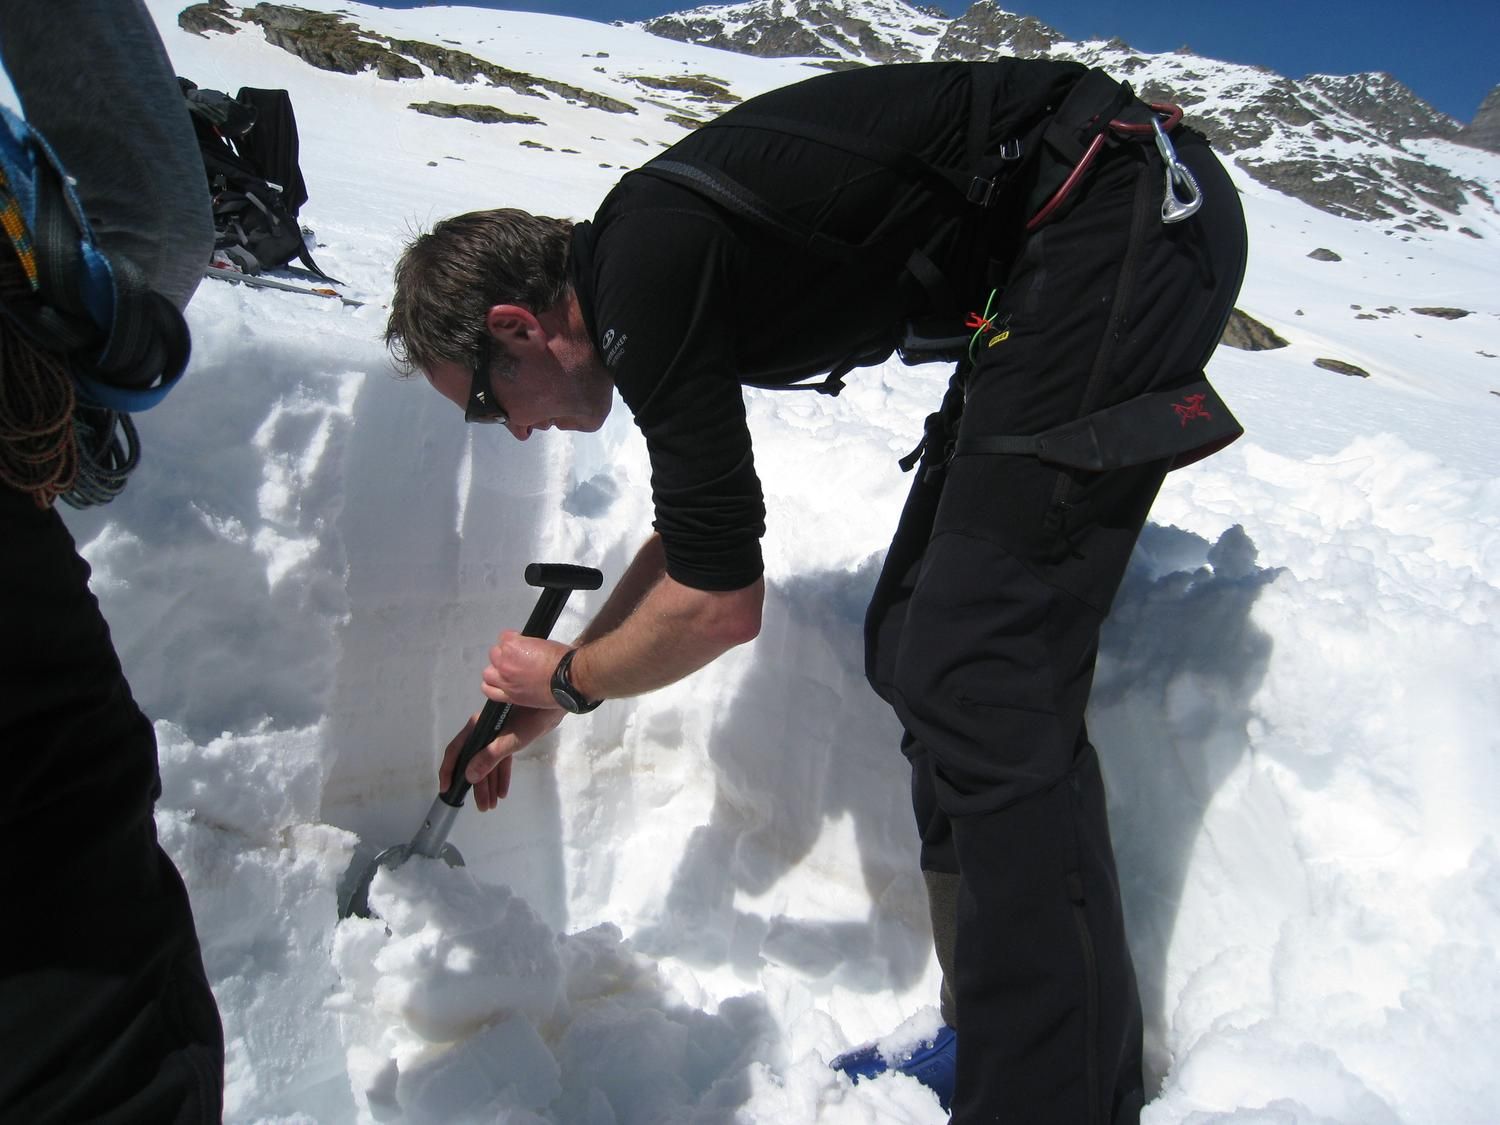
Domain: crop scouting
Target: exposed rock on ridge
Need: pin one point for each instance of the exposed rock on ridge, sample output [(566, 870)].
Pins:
[(331, 42), (820, 29), (1336, 143), (1484, 130), (1391, 110), (986, 30)]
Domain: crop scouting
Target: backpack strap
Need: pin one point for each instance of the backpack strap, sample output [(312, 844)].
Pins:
[(1073, 136), (719, 188), (1184, 424), (978, 183)]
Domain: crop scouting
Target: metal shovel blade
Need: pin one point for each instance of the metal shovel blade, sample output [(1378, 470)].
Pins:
[(356, 903)]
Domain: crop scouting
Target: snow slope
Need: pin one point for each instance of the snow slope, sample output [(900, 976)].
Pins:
[(691, 901)]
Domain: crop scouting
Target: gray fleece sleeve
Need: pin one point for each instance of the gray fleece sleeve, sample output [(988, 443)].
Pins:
[(95, 80)]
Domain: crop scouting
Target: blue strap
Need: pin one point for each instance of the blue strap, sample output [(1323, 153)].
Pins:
[(126, 344)]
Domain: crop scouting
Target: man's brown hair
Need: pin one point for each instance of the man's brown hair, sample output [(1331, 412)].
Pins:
[(448, 279)]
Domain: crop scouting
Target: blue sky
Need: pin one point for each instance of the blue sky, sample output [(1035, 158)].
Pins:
[(1448, 51)]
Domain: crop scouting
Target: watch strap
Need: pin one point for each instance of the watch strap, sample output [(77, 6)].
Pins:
[(568, 697)]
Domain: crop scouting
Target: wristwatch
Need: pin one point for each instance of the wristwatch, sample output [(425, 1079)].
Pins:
[(568, 697)]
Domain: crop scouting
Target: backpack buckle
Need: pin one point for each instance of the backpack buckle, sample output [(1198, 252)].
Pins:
[(981, 191)]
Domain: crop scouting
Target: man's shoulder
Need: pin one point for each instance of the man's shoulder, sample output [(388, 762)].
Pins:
[(639, 202), (648, 230)]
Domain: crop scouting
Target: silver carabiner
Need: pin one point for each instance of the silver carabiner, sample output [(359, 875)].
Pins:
[(1175, 208)]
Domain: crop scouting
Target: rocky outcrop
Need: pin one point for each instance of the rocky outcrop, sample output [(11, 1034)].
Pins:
[(465, 68), (331, 42), (1338, 143), (1342, 368), (882, 31), (483, 114), (1390, 108), (200, 19), (1484, 130), (328, 42), (1379, 188), (694, 87), (1243, 331), (986, 30)]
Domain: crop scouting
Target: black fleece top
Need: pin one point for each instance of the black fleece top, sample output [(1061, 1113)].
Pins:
[(687, 301)]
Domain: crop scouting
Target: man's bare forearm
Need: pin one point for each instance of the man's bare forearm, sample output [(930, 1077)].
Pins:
[(653, 630), (645, 571)]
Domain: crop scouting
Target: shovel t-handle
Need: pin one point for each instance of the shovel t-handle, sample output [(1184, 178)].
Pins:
[(557, 581)]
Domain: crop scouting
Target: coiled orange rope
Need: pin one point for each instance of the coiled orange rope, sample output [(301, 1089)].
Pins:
[(38, 450)]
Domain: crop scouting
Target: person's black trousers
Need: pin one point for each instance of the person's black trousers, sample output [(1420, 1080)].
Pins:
[(105, 1012), (984, 627)]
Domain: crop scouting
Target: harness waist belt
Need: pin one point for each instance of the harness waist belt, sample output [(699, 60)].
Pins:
[(1184, 424)]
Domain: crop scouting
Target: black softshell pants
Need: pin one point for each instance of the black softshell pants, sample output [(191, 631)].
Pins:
[(105, 1012), (984, 628)]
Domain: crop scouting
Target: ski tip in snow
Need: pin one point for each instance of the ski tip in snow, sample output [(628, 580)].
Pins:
[(261, 281)]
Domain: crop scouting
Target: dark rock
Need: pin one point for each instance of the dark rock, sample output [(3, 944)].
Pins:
[(1391, 109), (780, 29), (1248, 334), (200, 19), (328, 42), (697, 87), (1322, 255), (1484, 130), (1377, 187), (1368, 116), (1341, 367), (465, 68), (1444, 314), (986, 30), (483, 114)]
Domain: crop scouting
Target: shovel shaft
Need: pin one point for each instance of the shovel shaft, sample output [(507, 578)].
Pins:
[(557, 581), (433, 834)]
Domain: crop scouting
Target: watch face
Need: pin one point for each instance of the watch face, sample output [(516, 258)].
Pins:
[(565, 700)]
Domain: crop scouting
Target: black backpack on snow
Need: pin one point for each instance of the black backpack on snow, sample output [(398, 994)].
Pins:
[(250, 154)]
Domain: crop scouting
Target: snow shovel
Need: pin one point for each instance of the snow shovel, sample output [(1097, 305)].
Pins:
[(557, 581)]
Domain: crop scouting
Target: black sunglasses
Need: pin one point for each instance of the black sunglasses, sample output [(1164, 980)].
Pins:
[(482, 405)]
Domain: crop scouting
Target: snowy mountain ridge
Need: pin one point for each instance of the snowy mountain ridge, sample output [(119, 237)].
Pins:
[(1334, 142), (1362, 146)]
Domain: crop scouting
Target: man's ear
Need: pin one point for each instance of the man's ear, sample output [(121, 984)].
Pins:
[(515, 327)]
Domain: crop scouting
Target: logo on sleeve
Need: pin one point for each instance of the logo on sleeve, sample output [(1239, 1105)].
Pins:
[(613, 346)]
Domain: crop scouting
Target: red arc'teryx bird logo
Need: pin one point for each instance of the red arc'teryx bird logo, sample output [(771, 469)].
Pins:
[(1191, 408)]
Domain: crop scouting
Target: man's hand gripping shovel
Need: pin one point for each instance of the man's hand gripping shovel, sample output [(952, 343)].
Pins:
[(557, 581)]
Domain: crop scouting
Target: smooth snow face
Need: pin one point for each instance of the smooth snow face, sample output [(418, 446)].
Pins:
[(693, 900)]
